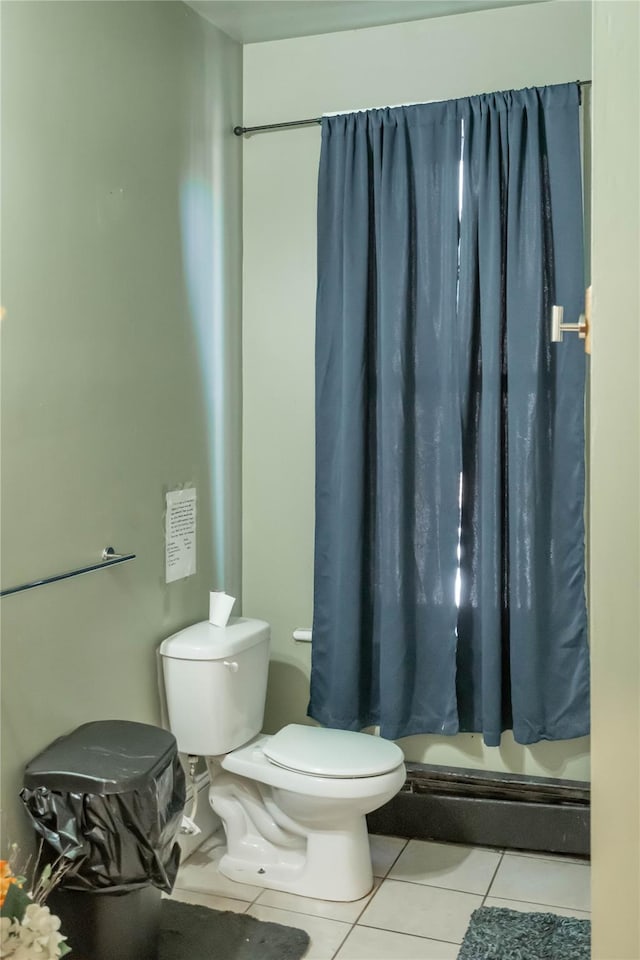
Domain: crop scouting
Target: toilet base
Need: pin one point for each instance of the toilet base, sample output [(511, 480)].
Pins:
[(336, 865), (294, 832)]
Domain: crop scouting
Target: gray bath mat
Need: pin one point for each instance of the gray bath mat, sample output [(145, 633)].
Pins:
[(498, 934), (190, 932)]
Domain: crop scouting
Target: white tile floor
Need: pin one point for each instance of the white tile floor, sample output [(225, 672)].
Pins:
[(419, 909)]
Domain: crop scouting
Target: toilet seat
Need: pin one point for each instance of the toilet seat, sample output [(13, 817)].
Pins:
[(251, 761), (337, 754)]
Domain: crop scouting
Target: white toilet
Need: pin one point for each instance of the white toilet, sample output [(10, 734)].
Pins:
[(293, 805)]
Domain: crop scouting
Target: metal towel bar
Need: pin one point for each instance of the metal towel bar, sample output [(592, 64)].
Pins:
[(109, 558)]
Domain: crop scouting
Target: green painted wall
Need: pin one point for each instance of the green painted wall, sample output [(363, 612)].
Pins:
[(121, 379), (615, 482)]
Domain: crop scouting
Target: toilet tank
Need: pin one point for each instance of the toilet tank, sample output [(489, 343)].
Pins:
[(215, 681)]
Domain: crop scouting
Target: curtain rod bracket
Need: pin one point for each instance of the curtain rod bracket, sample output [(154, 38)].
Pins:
[(582, 327)]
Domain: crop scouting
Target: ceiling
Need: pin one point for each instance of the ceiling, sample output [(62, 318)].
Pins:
[(253, 21)]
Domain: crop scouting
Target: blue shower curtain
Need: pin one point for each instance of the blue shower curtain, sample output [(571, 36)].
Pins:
[(449, 548)]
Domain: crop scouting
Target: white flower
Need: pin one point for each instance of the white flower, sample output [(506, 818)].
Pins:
[(35, 938), (22, 952), (40, 919), (9, 934), (6, 924)]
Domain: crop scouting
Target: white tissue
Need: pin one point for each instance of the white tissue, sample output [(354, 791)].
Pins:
[(189, 827), (220, 607)]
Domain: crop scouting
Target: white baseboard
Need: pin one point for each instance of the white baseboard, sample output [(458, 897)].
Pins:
[(205, 818)]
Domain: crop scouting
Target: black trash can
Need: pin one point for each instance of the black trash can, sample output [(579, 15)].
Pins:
[(109, 796)]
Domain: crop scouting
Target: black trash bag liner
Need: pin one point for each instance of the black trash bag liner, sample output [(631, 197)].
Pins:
[(122, 832)]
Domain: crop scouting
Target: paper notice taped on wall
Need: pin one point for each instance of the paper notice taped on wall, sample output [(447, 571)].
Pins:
[(180, 534)]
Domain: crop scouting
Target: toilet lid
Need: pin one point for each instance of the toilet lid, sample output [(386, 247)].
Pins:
[(332, 753)]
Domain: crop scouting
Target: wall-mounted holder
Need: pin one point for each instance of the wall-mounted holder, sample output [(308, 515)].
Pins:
[(582, 327), (109, 558)]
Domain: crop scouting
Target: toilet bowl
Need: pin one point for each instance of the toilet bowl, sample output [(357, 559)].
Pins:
[(293, 804), (321, 814)]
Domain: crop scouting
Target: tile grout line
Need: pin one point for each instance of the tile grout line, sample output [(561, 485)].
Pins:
[(353, 923), (456, 943), (257, 897), (536, 903), (398, 855), (343, 941), (437, 886), (484, 899), (414, 883), (356, 922), (254, 902), (406, 933), (374, 893), (552, 858)]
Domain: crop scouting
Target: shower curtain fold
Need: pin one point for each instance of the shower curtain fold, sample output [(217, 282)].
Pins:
[(433, 361)]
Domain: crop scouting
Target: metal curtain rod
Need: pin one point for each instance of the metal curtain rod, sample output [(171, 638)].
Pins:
[(240, 131)]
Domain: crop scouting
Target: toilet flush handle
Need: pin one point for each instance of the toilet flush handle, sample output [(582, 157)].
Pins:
[(231, 665)]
